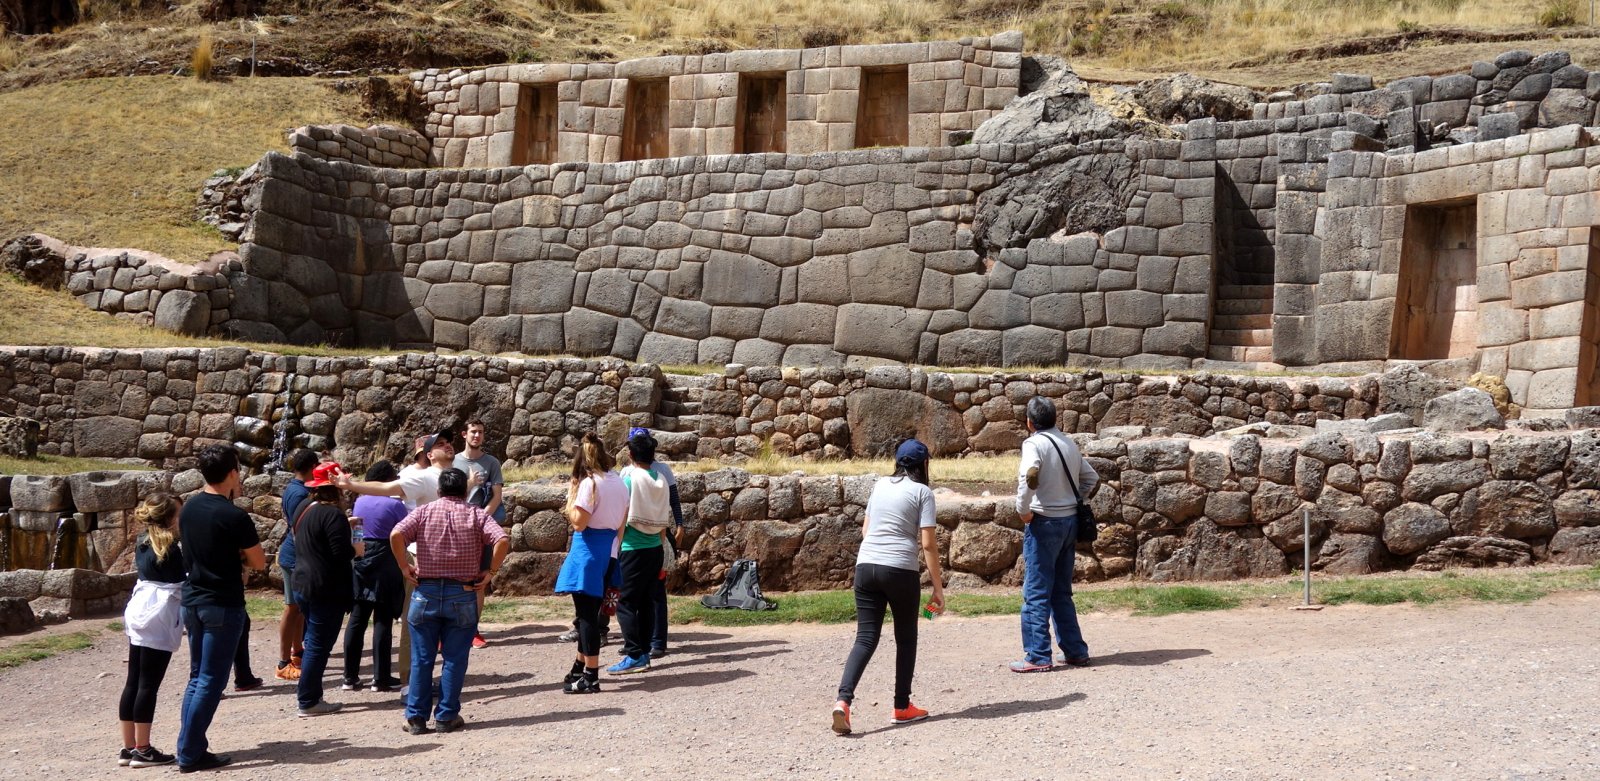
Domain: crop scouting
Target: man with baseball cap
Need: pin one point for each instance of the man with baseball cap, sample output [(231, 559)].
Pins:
[(417, 484)]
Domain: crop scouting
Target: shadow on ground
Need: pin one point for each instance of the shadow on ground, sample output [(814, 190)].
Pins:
[(1149, 658)]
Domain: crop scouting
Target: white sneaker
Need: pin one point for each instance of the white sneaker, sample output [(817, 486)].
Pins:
[(322, 708)]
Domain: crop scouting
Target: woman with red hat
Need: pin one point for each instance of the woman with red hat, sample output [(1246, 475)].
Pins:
[(324, 581)]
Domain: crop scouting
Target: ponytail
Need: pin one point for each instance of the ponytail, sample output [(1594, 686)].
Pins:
[(591, 458), (156, 513)]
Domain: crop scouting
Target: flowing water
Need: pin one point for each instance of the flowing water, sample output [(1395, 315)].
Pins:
[(280, 431)]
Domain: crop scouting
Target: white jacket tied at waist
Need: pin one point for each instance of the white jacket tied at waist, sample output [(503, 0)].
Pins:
[(154, 616)]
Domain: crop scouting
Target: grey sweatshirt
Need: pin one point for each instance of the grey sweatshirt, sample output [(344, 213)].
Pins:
[(1053, 498)]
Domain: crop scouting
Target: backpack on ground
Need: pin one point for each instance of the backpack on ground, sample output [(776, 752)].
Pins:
[(740, 589)]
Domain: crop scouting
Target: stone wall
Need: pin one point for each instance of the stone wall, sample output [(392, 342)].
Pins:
[(163, 405), (180, 299), (953, 87), (383, 146)]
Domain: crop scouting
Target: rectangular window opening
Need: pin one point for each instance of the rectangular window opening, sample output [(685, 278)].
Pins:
[(644, 126), (763, 113), (1436, 306), (883, 116), (534, 142)]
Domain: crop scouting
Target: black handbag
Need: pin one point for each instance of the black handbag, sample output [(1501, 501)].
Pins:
[(1088, 529)]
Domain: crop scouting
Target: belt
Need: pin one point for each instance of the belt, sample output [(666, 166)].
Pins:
[(445, 581)]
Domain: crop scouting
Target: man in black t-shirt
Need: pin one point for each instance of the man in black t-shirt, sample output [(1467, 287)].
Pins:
[(219, 541)]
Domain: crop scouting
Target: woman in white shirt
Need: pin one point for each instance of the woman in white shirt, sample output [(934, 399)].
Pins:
[(899, 520), (598, 505)]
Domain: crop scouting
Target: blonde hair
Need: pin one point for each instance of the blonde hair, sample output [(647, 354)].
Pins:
[(156, 513)]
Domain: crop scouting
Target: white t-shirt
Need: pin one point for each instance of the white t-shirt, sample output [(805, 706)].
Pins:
[(897, 512), (420, 485)]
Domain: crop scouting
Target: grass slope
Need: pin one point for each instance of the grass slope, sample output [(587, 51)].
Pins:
[(116, 162)]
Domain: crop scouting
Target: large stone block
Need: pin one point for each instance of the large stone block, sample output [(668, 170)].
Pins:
[(1032, 345), (105, 437), (460, 302), (799, 324), (99, 492), (887, 275), (880, 331), (984, 549), (971, 347), (40, 493), (740, 280), (1413, 527), (588, 332), (542, 287), (184, 312)]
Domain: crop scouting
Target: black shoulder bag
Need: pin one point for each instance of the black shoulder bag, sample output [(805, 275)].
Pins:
[(1088, 530)]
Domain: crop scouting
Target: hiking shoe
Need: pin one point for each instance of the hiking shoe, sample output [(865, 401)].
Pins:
[(322, 708), (150, 756), (841, 718), (389, 685), (582, 686), (124, 757), (657, 653), (569, 636), (415, 726), (248, 685), (1026, 666), (288, 672), (449, 726), (479, 642), (1075, 661), (908, 714), (630, 664), (208, 762)]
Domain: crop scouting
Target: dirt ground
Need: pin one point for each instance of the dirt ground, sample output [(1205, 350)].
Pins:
[(1475, 691)]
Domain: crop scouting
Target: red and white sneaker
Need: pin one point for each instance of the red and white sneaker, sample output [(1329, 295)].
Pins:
[(841, 718), (908, 714), (478, 641)]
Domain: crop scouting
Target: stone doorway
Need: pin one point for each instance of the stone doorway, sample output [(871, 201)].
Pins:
[(1436, 306), (534, 142), (763, 113), (1241, 326), (644, 127), (883, 116)]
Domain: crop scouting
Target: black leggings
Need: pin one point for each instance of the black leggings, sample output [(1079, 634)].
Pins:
[(636, 611), (146, 668), (589, 631), (879, 587), (382, 642)]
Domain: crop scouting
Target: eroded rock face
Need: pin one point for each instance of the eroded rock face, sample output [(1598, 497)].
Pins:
[(1053, 107), (1184, 97), (29, 259), (1067, 190)]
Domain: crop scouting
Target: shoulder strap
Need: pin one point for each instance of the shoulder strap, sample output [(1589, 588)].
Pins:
[(1064, 467), (305, 507)]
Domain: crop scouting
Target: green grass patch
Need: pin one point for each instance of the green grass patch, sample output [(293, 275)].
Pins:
[(264, 608), (65, 465), (44, 648)]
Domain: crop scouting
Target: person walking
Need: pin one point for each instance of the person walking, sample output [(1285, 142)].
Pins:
[(597, 507), (486, 485), (899, 519), (450, 536), (154, 622), (1052, 479), (323, 583), (379, 587), (649, 517), (219, 541), (292, 626)]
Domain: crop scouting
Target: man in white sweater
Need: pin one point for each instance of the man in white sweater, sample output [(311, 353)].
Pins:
[(1049, 479)]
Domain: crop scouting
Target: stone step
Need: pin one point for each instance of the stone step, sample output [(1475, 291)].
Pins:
[(1244, 291), (1241, 322), (1244, 306), (1247, 337), (678, 409), (1239, 354)]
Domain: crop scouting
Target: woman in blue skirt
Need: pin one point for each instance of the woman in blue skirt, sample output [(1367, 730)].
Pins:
[(597, 505)]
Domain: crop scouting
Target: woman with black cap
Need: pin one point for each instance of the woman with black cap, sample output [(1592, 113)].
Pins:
[(899, 520)]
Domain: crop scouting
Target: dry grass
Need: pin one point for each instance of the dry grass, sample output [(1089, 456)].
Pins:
[(10, 53), (65, 465), (200, 60), (116, 162)]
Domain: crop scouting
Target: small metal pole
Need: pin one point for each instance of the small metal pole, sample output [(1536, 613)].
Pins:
[(1305, 515), (1305, 519), (252, 56)]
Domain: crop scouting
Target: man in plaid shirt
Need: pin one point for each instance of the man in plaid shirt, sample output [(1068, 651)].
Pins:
[(450, 536)]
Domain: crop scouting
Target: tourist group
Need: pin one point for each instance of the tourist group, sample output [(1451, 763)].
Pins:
[(424, 542)]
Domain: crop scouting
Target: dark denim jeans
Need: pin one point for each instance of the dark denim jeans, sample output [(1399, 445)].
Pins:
[(1048, 547), (323, 622), (213, 641), (658, 638), (447, 613)]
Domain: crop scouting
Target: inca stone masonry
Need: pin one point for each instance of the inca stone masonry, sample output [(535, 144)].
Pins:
[(827, 207)]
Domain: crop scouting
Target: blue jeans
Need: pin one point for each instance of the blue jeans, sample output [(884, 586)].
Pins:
[(323, 622), (213, 641), (447, 613), (1048, 546)]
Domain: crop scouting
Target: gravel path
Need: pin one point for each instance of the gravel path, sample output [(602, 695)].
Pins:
[(1466, 692)]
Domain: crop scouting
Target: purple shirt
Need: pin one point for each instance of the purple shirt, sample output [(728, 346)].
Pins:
[(378, 515)]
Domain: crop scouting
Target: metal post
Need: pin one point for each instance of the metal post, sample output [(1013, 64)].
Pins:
[(1305, 515)]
